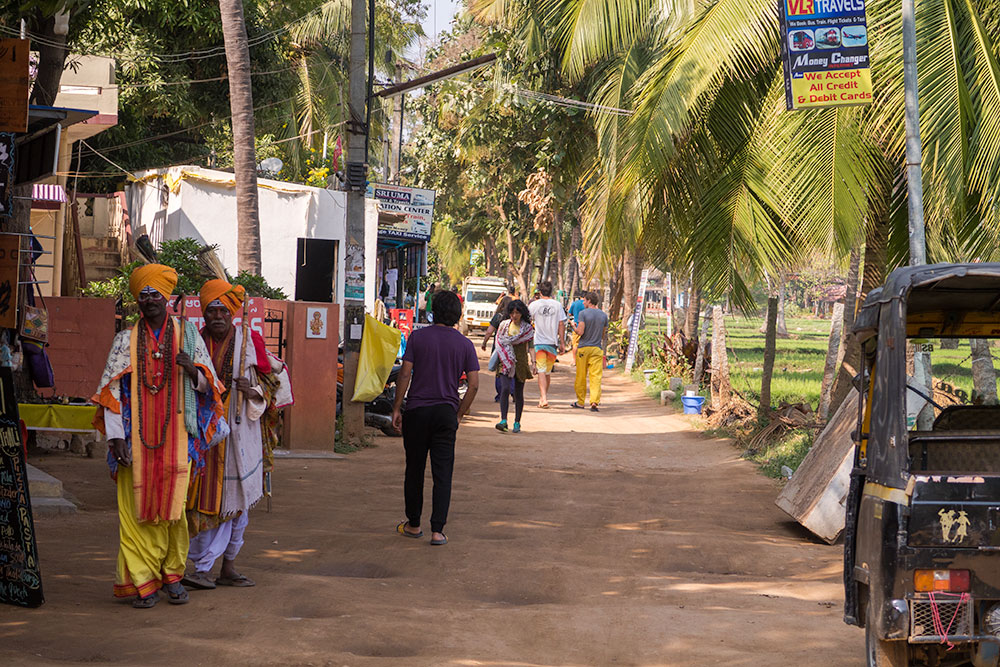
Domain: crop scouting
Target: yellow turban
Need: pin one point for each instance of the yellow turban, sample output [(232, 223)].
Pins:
[(161, 278), (231, 296)]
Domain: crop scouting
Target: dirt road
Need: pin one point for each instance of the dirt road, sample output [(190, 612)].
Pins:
[(618, 538)]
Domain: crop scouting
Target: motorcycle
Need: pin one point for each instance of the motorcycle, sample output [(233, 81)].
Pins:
[(378, 411)]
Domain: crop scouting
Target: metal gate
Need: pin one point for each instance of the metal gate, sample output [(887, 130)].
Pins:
[(274, 331)]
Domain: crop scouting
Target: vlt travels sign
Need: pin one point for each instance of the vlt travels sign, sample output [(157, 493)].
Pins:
[(824, 52)]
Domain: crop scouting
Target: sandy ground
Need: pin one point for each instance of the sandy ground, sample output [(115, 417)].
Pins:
[(618, 538)]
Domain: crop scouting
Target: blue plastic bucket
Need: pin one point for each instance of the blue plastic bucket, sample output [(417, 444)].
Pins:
[(692, 404)]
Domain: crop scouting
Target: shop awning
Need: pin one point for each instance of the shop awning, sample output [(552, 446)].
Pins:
[(53, 417), (47, 196)]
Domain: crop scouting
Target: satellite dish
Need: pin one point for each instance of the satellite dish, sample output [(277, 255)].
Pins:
[(272, 165)]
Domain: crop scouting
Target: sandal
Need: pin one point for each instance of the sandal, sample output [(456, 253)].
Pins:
[(199, 580), (593, 407), (574, 404), (401, 529), (441, 542), (176, 594), (239, 581), (543, 406), (147, 602)]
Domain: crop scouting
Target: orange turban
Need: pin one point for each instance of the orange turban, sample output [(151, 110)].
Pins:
[(231, 296), (161, 278)]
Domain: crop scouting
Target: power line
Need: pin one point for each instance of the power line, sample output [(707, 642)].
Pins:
[(168, 58), (178, 82)]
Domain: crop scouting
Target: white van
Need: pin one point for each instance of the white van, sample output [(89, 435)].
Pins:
[(481, 296)]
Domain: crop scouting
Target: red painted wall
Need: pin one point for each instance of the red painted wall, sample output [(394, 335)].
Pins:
[(80, 334), (312, 364)]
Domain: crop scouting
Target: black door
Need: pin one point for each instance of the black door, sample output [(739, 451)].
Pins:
[(316, 262)]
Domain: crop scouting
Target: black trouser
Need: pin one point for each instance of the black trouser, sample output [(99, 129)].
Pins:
[(508, 386), (431, 430)]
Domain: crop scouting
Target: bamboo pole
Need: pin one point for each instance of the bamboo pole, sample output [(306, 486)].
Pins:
[(245, 326)]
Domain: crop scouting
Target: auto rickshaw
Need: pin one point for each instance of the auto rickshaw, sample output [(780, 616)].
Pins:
[(922, 532)]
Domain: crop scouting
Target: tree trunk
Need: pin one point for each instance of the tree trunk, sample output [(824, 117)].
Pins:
[(234, 34), (781, 328), (629, 283), (872, 275), (575, 242), (851, 296), (699, 359), (832, 353), (560, 271), (52, 54), (721, 388), (984, 375), (769, 344), (617, 289), (693, 306)]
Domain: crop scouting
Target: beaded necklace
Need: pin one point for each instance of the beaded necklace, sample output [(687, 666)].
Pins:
[(225, 369), (164, 350)]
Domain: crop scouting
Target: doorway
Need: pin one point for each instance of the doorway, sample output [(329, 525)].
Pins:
[(316, 270)]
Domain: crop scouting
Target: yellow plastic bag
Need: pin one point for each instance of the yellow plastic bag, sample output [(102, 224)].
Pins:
[(379, 345)]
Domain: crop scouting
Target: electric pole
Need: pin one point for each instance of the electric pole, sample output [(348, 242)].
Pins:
[(914, 183), (915, 191), (356, 176), (396, 140)]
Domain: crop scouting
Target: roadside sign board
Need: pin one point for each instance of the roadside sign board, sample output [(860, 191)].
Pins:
[(193, 312), (14, 56), (10, 245), (20, 577), (7, 173), (633, 332), (404, 213), (824, 53)]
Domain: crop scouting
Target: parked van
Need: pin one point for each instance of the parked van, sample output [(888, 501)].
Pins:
[(481, 296)]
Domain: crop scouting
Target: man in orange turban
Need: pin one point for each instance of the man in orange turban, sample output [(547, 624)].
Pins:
[(219, 501), (231, 297), (161, 412), (153, 277)]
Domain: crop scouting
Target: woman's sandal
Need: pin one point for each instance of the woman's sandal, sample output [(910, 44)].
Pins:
[(176, 593), (147, 602)]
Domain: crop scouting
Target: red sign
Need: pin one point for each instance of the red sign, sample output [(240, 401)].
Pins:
[(192, 313)]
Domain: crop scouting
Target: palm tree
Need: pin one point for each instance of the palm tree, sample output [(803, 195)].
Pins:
[(234, 32)]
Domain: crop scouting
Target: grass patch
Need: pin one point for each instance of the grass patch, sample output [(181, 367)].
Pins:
[(788, 450), (341, 447)]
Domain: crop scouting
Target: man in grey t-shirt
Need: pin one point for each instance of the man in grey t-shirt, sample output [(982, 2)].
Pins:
[(592, 328)]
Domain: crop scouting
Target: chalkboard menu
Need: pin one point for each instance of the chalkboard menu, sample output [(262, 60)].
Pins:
[(20, 578)]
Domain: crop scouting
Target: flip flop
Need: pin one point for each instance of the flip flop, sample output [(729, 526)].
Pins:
[(593, 407), (401, 529), (543, 406), (147, 602), (199, 580), (574, 404), (239, 581), (174, 596), (438, 543)]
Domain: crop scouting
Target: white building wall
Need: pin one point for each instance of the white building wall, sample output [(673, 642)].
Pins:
[(206, 211)]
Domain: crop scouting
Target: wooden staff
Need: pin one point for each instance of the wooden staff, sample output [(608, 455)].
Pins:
[(180, 348), (245, 326)]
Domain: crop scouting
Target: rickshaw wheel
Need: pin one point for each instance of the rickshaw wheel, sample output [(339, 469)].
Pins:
[(881, 653)]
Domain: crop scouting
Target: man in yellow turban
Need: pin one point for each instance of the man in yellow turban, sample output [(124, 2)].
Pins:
[(161, 412), (220, 500)]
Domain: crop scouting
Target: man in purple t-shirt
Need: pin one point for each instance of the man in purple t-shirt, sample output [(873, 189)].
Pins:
[(433, 363)]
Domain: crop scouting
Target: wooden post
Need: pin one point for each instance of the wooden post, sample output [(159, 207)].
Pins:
[(770, 336), (832, 354)]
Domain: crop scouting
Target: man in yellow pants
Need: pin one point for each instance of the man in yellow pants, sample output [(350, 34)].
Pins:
[(592, 328)]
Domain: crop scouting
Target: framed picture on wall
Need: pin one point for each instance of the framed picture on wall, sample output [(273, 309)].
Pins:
[(316, 322)]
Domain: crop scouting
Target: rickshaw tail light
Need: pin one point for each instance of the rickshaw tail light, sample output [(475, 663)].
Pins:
[(949, 581)]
